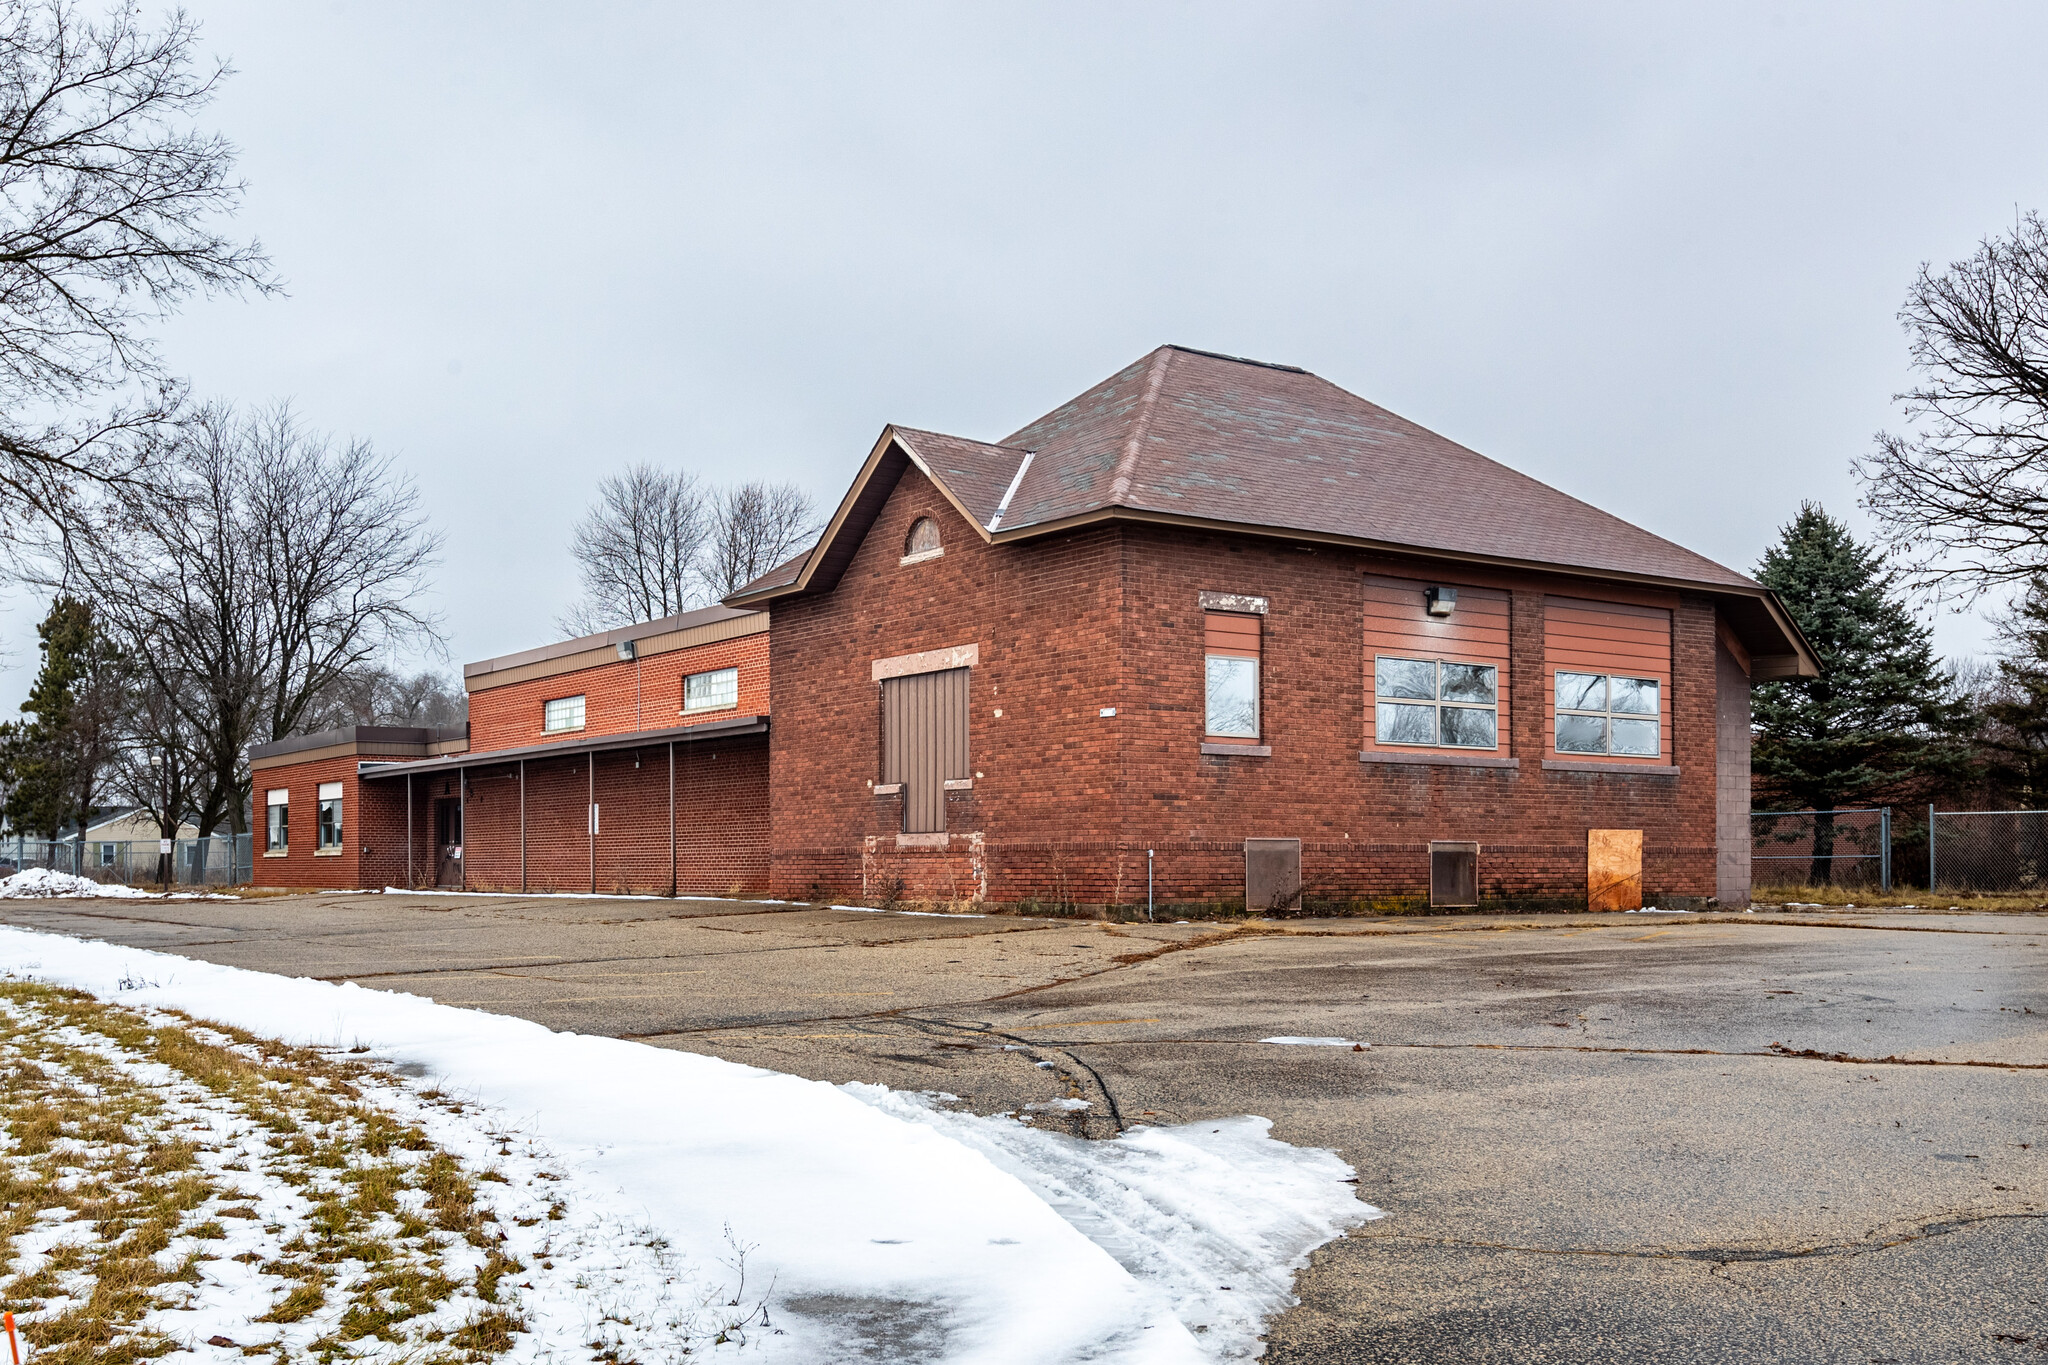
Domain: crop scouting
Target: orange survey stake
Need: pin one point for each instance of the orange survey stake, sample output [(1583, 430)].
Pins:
[(13, 1344)]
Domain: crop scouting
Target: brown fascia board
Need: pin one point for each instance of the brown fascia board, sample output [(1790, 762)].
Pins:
[(856, 512), (1787, 656), (731, 727), (605, 639), (422, 735)]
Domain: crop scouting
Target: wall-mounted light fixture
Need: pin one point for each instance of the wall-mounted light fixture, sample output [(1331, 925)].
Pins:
[(626, 649), (1440, 601)]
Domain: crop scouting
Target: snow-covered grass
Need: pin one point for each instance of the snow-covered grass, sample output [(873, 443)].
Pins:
[(39, 883), (879, 1225), (173, 1187)]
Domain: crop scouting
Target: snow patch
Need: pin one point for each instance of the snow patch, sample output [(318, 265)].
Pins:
[(1216, 1216), (869, 1209), (38, 883)]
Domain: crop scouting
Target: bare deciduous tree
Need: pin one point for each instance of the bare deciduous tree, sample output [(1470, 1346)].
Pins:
[(265, 566), (639, 549), (108, 203), (375, 694), (755, 527), (1965, 498)]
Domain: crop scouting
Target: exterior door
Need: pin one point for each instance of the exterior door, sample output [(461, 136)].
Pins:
[(448, 843), (924, 743)]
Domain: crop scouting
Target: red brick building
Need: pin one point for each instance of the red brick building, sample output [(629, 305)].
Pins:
[(1209, 601)]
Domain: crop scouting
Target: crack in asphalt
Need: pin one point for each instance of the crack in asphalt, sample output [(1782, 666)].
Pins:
[(1719, 1256)]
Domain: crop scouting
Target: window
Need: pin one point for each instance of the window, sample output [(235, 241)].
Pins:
[(924, 743), (1598, 713), (922, 542), (106, 855), (277, 827), (1436, 702), (718, 690), (1230, 676), (563, 713), (330, 816)]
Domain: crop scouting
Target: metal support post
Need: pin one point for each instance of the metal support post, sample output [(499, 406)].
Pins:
[(462, 827), (522, 826), (1884, 866), (1930, 846), (590, 814), (411, 833), (1148, 883), (671, 818)]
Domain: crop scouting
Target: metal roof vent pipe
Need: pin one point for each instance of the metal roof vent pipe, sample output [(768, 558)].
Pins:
[(1440, 601), (627, 650)]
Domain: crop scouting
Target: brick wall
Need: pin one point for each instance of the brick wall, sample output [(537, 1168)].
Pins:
[(373, 829), (721, 828), (621, 696), (1066, 801)]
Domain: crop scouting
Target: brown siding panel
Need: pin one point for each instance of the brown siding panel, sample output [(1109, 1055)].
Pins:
[(1612, 638), (1397, 624)]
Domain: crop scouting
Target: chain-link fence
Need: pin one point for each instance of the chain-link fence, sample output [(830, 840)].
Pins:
[(1850, 848), (216, 860), (1987, 850)]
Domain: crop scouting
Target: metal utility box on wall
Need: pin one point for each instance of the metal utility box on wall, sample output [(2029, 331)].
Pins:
[(1272, 874), (1614, 869), (1453, 873)]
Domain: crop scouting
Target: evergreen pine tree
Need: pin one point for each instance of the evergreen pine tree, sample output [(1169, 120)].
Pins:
[(55, 755), (1883, 717)]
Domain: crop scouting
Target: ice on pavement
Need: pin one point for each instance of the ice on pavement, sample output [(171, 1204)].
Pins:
[(994, 1241), (1218, 1215)]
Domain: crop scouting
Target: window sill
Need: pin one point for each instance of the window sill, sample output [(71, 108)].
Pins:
[(888, 789), (1559, 765), (277, 853), (1237, 750), (923, 840), (1435, 759), (921, 556), (328, 852), (959, 784), (565, 730), (708, 710)]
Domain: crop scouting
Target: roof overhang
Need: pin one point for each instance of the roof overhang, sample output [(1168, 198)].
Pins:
[(731, 728), (1777, 647)]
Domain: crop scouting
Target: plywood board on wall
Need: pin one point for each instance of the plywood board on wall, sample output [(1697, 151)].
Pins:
[(1614, 869)]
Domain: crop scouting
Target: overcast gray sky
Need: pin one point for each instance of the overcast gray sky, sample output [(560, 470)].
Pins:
[(1650, 256)]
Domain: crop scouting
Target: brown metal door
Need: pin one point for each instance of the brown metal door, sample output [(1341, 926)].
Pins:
[(924, 742)]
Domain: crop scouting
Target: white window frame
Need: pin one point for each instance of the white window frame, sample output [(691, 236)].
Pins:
[(1654, 717), (1257, 666), (328, 797), (1436, 703), (275, 799), (106, 854), (692, 708), (547, 727)]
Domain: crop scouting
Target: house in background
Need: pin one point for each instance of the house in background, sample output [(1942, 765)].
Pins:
[(1215, 627)]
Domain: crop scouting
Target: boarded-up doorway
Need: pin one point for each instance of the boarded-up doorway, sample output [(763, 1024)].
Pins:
[(1453, 873), (924, 743), (1614, 869)]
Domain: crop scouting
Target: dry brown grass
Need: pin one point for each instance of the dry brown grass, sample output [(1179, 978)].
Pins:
[(1870, 898), (92, 1148)]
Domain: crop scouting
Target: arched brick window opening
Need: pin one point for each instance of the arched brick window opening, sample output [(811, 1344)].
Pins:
[(923, 538)]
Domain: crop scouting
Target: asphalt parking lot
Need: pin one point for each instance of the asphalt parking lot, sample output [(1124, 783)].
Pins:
[(1612, 1138)]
